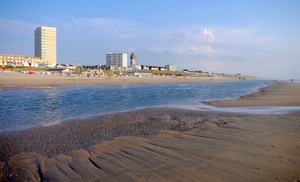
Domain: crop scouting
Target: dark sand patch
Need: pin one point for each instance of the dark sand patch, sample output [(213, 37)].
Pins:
[(81, 134)]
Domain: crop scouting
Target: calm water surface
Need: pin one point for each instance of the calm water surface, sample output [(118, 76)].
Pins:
[(25, 108)]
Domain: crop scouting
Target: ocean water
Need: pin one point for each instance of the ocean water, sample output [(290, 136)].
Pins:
[(34, 106)]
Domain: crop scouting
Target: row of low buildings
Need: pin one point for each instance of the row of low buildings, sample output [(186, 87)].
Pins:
[(17, 60), (119, 61)]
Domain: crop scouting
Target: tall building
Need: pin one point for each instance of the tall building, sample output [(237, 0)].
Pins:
[(118, 60), (133, 59), (45, 44)]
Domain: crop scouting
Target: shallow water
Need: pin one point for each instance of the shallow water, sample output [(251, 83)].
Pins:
[(32, 106)]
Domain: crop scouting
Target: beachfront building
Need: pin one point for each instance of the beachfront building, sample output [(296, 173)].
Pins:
[(116, 61), (133, 59), (144, 67), (18, 60), (45, 44), (136, 67), (170, 67)]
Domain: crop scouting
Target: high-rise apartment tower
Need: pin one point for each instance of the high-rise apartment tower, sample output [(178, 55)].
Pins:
[(116, 60), (45, 44)]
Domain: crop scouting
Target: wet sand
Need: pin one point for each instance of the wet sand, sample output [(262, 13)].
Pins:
[(162, 144), (278, 94)]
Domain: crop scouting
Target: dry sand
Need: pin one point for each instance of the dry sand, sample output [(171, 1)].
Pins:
[(14, 79), (161, 144)]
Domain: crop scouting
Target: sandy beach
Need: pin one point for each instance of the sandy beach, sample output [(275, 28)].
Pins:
[(161, 144), (14, 79)]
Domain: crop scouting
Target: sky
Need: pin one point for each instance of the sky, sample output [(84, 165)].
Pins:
[(255, 38)]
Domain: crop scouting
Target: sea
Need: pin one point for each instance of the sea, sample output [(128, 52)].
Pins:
[(28, 107)]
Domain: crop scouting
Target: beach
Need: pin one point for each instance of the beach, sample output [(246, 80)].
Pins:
[(159, 144), (15, 79)]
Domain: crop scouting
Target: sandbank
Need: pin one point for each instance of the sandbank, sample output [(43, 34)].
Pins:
[(161, 144), (278, 94)]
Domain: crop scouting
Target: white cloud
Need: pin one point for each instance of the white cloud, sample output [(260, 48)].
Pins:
[(187, 41), (209, 35)]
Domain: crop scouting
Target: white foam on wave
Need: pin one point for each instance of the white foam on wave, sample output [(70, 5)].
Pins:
[(51, 123), (268, 110)]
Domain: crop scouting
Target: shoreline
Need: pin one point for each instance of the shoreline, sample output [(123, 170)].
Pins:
[(162, 144)]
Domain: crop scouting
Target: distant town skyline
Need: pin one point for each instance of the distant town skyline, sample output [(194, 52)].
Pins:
[(257, 38)]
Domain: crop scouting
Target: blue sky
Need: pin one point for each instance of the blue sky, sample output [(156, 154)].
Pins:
[(257, 38)]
